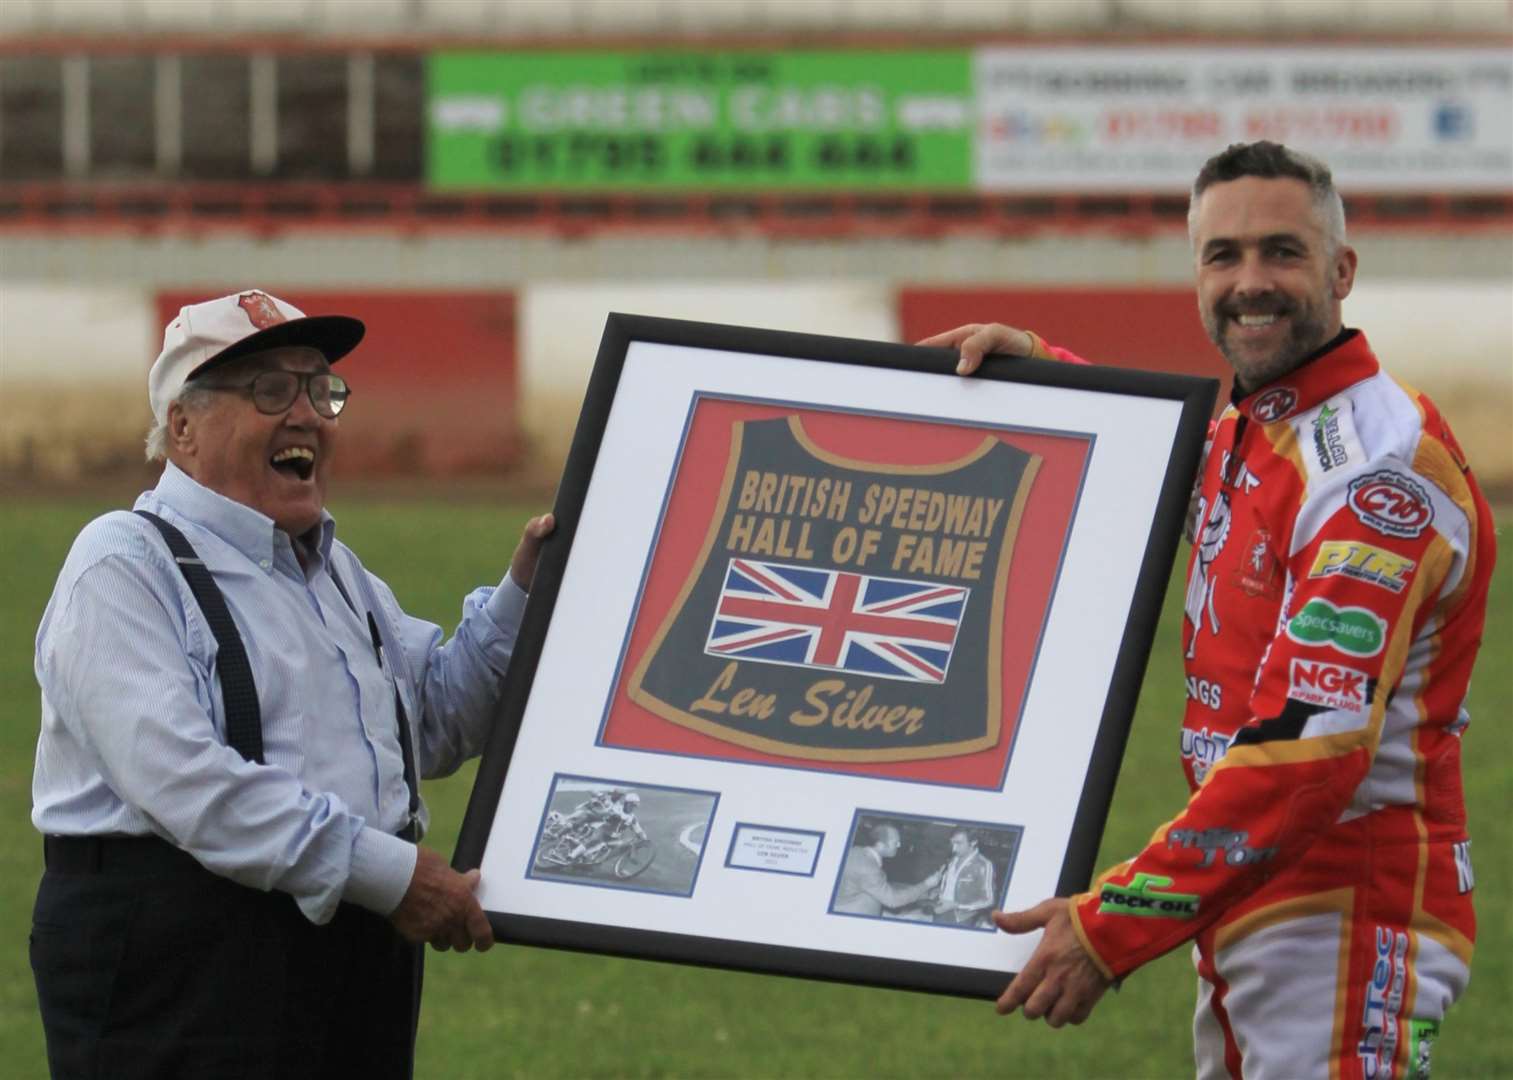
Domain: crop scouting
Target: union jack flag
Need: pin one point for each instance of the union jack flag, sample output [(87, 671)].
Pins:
[(798, 615)]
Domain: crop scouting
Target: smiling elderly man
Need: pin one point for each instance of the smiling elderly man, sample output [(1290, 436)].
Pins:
[(1336, 593), (235, 714)]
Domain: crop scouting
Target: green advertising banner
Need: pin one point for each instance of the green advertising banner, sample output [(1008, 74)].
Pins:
[(659, 120)]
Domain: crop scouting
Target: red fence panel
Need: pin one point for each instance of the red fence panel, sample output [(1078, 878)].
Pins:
[(1155, 328)]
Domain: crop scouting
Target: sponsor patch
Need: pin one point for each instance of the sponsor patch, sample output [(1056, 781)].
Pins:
[(1421, 1036), (1274, 404), (1353, 630), (1213, 842), (1143, 897), (1330, 686), (1391, 503), (1259, 572), (1205, 692), (1203, 750), (1465, 880), (1384, 1001), (1214, 534), (1363, 562), (260, 309)]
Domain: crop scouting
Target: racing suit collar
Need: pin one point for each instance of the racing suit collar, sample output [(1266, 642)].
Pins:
[(1342, 362)]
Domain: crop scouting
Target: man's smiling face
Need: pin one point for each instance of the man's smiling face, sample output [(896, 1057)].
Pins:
[(275, 464), (1270, 281)]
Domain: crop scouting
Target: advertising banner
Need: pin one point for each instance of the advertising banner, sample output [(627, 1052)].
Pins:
[(1144, 119), (1134, 118), (639, 121)]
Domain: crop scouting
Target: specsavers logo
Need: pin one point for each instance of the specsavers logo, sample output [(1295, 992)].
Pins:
[(1363, 562), (1352, 630), (1144, 897)]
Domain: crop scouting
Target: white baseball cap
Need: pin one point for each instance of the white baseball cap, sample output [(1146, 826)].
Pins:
[(207, 335)]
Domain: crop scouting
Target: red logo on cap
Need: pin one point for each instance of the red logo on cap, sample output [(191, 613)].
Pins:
[(261, 311)]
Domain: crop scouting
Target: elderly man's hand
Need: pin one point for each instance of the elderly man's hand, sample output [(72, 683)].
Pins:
[(976, 340), (523, 562), (1060, 982), (439, 907)]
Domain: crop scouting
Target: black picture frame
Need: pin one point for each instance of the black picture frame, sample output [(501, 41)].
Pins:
[(533, 748)]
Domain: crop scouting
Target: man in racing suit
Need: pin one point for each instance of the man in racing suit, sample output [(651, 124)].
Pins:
[(1336, 594), (610, 827)]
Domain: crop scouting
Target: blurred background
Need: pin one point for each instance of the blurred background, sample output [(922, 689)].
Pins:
[(483, 180)]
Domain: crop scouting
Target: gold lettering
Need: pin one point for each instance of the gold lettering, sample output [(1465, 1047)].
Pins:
[(994, 506), (977, 550), (901, 509), (815, 696), (765, 538), (956, 513), (821, 491), (748, 702), (924, 557), (748, 489), (767, 493), (869, 504), (740, 532), (951, 558), (974, 519), (937, 512), (709, 702), (904, 549), (839, 499), (857, 713)]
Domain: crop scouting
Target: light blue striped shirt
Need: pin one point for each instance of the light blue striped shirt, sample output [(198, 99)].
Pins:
[(133, 728)]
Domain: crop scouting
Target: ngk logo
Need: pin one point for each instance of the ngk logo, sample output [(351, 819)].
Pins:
[(1331, 686)]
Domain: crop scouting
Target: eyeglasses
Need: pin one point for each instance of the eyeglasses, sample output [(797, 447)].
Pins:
[(274, 392)]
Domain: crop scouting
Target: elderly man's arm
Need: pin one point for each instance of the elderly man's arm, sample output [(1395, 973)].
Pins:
[(459, 681), (124, 674)]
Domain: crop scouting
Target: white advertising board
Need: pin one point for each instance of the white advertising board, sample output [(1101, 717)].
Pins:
[(1425, 119)]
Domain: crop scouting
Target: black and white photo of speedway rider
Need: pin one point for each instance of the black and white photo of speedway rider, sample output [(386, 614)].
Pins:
[(623, 834)]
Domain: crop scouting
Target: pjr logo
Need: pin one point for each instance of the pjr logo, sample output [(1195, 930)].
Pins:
[(1274, 404), (1330, 686), (1384, 569), (1391, 503)]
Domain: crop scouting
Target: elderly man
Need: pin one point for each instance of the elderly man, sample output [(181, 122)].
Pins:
[(864, 887), (234, 717), (1337, 590)]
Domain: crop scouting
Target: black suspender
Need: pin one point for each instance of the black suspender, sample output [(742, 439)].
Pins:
[(407, 753), (399, 711), (244, 720)]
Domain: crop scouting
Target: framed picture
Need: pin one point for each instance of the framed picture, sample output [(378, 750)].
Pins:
[(833, 653)]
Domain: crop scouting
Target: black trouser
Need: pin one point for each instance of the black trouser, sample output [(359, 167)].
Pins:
[(148, 965)]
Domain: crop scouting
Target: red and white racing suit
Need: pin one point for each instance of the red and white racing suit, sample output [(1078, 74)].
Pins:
[(1336, 593)]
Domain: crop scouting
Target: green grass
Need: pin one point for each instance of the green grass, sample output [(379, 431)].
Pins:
[(534, 1013)]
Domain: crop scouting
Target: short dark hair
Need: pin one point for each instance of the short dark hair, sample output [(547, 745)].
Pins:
[(1272, 161), (967, 834)]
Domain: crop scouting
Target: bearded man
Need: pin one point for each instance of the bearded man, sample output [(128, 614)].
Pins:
[(1337, 591)]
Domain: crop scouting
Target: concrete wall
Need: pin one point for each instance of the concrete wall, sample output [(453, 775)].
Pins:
[(75, 342)]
